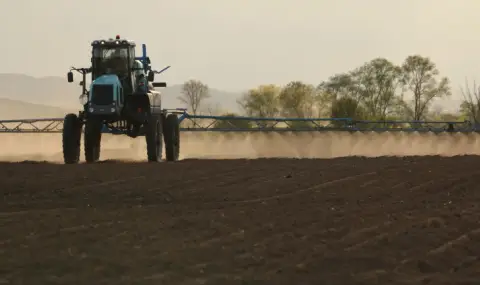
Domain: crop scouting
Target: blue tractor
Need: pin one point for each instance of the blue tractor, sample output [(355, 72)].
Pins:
[(121, 100)]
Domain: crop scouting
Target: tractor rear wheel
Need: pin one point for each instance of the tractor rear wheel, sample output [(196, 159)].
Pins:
[(153, 137), (93, 138), (172, 137), (71, 136)]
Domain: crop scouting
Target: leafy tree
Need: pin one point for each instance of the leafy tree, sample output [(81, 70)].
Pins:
[(420, 77), (375, 86), (346, 107), (323, 102), (378, 83), (340, 85), (194, 93), (337, 86), (261, 101), (373, 91), (297, 99)]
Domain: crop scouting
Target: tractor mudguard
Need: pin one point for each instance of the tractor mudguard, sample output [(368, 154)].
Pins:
[(137, 108)]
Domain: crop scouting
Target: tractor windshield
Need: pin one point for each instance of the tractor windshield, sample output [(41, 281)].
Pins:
[(111, 60)]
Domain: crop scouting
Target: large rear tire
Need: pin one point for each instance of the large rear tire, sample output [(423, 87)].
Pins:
[(93, 138), (172, 137), (71, 136), (153, 137)]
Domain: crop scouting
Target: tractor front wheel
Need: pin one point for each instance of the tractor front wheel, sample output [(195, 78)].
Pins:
[(71, 136), (153, 137), (93, 138), (172, 137)]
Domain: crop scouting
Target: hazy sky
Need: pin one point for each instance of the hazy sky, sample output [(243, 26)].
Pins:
[(234, 45)]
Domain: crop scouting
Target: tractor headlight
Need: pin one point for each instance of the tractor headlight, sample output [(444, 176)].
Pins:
[(90, 110), (112, 110), (83, 99)]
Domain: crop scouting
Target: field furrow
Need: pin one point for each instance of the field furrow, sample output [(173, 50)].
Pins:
[(355, 220)]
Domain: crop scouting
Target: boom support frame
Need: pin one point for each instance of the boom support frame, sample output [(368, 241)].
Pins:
[(203, 123)]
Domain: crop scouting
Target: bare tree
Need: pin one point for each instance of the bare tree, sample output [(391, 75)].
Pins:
[(471, 103), (194, 92), (420, 77)]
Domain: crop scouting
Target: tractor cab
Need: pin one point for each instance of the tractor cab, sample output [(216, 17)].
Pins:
[(115, 58)]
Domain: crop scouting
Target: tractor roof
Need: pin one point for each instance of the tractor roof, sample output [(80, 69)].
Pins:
[(114, 42)]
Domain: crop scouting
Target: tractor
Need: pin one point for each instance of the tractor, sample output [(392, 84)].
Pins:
[(121, 100)]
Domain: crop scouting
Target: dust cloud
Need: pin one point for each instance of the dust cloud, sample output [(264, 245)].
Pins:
[(48, 147), (327, 144)]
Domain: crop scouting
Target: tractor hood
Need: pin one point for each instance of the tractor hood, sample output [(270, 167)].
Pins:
[(110, 79), (105, 90)]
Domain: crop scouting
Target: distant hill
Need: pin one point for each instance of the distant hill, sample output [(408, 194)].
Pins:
[(57, 92), (51, 91), (15, 109)]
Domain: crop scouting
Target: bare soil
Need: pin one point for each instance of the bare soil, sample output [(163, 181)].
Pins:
[(356, 220)]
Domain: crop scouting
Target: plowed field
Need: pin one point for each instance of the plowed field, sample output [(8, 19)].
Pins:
[(410, 220)]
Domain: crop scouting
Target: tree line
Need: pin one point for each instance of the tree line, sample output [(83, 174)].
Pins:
[(378, 90)]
